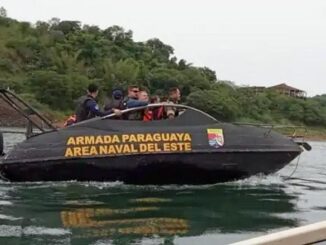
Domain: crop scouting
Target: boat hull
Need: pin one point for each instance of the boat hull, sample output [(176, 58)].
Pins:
[(189, 168), (193, 148)]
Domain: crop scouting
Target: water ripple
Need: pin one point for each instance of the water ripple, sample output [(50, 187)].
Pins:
[(18, 231)]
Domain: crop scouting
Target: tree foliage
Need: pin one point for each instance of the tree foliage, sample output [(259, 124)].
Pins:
[(54, 61)]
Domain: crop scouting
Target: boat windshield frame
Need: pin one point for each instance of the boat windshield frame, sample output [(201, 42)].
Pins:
[(140, 108), (40, 123)]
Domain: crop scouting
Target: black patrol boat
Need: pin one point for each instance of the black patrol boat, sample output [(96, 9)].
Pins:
[(193, 148)]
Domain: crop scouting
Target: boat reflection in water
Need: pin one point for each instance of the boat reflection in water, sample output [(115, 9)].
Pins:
[(143, 212), (109, 222)]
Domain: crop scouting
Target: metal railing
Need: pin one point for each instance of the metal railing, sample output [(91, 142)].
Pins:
[(27, 111), (140, 108), (270, 127)]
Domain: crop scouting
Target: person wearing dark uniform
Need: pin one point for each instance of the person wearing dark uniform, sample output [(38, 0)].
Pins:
[(87, 106), (116, 101)]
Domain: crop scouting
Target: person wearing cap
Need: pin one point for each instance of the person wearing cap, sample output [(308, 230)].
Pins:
[(116, 102)]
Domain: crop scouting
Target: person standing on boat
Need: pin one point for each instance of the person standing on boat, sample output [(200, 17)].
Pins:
[(143, 96), (133, 101), (158, 112), (116, 101), (174, 98), (87, 106), (148, 112)]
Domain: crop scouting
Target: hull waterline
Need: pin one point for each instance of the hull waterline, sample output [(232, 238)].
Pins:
[(153, 169)]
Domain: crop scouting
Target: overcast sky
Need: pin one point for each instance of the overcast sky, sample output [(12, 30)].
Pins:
[(250, 42)]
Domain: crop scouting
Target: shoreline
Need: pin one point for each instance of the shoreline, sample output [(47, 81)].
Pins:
[(321, 138), (11, 118)]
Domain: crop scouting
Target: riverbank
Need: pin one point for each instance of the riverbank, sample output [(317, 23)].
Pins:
[(315, 138), (314, 134), (9, 117), (308, 133)]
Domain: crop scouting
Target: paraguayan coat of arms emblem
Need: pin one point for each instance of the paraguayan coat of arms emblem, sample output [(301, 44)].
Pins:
[(215, 137)]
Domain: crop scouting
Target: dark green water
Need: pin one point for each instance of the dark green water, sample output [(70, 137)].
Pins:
[(115, 213)]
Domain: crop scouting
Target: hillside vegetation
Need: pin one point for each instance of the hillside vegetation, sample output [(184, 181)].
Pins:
[(51, 63)]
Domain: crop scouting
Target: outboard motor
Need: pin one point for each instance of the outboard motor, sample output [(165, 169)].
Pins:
[(1, 145)]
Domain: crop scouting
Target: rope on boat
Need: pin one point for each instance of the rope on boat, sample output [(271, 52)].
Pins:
[(1, 144), (295, 169), (307, 147), (3, 177)]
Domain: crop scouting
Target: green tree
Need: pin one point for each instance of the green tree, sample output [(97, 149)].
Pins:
[(118, 35), (217, 103), (48, 86), (159, 50), (53, 62), (67, 26)]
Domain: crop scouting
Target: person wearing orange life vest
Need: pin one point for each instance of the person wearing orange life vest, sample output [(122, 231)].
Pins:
[(70, 121), (158, 112), (148, 113)]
